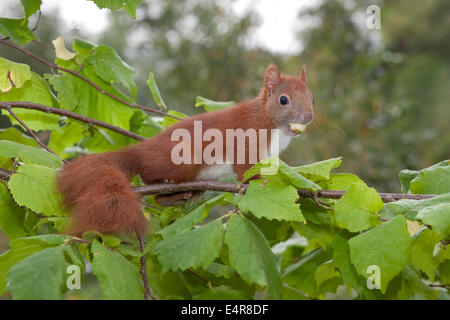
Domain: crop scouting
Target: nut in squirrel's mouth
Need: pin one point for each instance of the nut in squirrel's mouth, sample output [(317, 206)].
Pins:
[(296, 128)]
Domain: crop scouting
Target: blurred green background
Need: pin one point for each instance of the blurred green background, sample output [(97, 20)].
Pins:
[(382, 97)]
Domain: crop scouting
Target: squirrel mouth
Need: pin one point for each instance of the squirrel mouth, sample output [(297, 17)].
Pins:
[(296, 128)]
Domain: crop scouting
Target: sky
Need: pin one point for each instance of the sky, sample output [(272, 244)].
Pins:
[(277, 32)]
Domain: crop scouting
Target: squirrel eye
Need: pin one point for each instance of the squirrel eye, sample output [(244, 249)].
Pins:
[(284, 100)]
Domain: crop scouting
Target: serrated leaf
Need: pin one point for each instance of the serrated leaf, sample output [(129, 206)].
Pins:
[(35, 90), (111, 68), (319, 170), (12, 74), (34, 186), (341, 181), (422, 248), (211, 105), (21, 248), (70, 134), (123, 281), (321, 234), (194, 249), (357, 209), (11, 216), (17, 30), (271, 200), (432, 180), (410, 208), (284, 171), (39, 276), (151, 82), (186, 223), (386, 246), (31, 6), (438, 217), (28, 154), (251, 257), (78, 96), (61, 50)]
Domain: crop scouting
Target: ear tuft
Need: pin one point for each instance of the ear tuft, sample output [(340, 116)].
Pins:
[(271, 78), (302, 76)]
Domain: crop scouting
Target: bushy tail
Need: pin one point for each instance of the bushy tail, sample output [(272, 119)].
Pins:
[(97, 190)]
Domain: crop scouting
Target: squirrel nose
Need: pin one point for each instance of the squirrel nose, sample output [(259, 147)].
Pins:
[(306, 117)]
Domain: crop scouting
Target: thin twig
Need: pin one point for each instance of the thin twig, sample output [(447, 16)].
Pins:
[(72, 115), (166, 188), (35, 137), (148, 293), (74, 73)]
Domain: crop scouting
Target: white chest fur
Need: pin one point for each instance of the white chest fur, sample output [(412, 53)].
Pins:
[(278, 143), (214, 172)]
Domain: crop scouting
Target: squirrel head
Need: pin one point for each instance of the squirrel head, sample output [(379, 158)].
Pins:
[(288, 100)]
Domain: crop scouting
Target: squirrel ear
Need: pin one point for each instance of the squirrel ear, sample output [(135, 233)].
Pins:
[(271, 78), (302, 75)]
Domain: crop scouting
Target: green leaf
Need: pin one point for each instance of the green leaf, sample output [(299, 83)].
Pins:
[(251, 257), (34, 186), (341, 181), (324, 272), (422, 248), (432, 180), (11, 216), (78, 96), (129, 6), (272, 200), (321, 234), (119, 279), (319, 170), (169, 121), (410, 208), (186, 223), (110, 67), (40, 275), (17, 30), (386, 246), (30, 6), (284, 171), (301, 275), (70, 134), (194, 249), (12, 74), (38, 91), (405, 177), (82, 47), (168, 285), (438, 217), (151, 82), (210, 105), (28, 154), (341, 260), (21, 248), (358, 208)]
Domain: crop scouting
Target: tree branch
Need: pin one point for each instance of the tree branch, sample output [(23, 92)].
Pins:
[(72, 115), (76, 74), (35, 137), (165, 188)]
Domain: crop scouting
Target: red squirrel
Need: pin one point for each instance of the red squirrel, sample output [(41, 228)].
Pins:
[(97, 188)]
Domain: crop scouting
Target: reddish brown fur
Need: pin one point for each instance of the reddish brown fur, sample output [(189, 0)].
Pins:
[(97, 188)]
